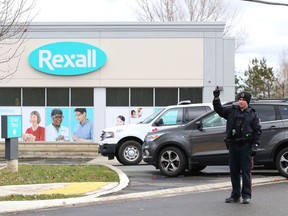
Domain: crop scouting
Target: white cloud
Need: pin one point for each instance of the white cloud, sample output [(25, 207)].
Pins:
[(268, 34), (84, 10)]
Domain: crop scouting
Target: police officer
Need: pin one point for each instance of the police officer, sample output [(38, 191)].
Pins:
[(243, 131)]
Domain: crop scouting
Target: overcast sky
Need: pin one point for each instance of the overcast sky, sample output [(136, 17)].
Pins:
[(266, 25)]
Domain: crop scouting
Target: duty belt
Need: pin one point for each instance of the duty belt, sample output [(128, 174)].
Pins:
[(237, 141)]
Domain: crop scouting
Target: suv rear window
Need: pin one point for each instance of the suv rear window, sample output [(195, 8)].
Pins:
[(283, 111), (265, 112)]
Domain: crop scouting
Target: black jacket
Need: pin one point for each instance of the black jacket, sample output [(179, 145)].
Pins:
[(251, 124)]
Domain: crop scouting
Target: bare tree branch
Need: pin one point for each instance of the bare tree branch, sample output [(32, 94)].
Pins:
[(282, 76), (15, 18), (192, 10), (267, 2)]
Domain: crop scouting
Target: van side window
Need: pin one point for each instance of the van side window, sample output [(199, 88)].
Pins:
[(172, 116), (265, 112), (193, 112)]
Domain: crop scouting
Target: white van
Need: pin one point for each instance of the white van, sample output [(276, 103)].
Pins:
[(125, 141)]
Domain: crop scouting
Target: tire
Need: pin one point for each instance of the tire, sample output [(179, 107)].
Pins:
[(130, 153), (282, 162), (197, 168), (172, 161)]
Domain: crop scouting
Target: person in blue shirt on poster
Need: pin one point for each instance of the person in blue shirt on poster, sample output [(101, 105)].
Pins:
[(55, 131), (83, 132)]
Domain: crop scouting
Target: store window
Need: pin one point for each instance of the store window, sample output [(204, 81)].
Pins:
[(141, 96), (10, 96), (33, 96), (166, 96), (57, 96), (117, 97), (192, 94), (82, 97)]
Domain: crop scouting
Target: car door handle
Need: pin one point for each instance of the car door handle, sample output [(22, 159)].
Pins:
[(272, 127)]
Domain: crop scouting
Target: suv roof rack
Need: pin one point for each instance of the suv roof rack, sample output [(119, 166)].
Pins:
[(184, 102), (270, 100)]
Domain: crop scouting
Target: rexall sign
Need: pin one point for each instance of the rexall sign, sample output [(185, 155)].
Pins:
[(67, 58)]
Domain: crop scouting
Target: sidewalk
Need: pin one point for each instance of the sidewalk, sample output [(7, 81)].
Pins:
[(91, 191)]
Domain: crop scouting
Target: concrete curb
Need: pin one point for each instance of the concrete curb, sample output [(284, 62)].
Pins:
[(3, 167), (188, 189), (18, 206)]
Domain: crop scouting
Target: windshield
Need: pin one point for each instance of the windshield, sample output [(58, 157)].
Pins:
[(153, 116)]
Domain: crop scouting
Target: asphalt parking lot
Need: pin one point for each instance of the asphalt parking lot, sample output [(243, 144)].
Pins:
[(145, 177)]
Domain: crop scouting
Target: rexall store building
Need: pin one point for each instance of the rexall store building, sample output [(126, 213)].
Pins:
[(115, 69)]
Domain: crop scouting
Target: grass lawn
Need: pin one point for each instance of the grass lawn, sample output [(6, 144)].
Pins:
[(41, 174)]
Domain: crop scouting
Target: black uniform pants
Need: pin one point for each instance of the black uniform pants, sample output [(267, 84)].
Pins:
[(241, 163)]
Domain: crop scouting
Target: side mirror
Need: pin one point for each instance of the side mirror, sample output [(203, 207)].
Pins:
[(159, 122), (199, 125)]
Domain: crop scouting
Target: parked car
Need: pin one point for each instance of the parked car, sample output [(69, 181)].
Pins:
[(200, 143), (125, 142)]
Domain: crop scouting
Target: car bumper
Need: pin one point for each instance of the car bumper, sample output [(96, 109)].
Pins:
[(107, 150), (147, 156), (149, 160)]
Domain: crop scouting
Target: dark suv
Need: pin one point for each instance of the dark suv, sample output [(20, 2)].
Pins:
[(201, 142)]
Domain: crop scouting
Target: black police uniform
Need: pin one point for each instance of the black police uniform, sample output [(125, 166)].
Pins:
[(243, 130)]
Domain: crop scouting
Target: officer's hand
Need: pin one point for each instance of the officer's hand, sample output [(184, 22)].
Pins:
[(216, 92), (254, 149), (227, 146)]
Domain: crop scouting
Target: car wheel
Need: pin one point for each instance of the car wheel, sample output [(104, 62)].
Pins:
[(282, 162), (172, 161), (197, 168), (130, 153)]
